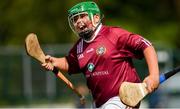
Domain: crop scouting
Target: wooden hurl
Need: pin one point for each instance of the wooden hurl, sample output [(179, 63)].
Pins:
[(34, 50)]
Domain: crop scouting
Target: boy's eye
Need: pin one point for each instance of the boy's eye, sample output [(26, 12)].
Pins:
[(83, 15), (76, 18)]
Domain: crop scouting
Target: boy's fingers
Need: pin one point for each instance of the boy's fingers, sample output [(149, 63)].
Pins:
[(44, 64), (47, 58)]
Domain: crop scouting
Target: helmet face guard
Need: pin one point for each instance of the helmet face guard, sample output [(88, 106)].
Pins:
[(89, 8), (72, 20)]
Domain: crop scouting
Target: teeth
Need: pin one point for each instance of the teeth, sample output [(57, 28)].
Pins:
[(82, 27)]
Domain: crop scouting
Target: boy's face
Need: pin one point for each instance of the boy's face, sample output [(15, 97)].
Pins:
[(81, 22), (83, 25)]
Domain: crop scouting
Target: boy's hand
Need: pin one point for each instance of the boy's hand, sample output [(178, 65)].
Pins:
[(152, 83), (48, 65)]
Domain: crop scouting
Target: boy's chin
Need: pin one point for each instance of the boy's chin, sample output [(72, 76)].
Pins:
[(86, 35)]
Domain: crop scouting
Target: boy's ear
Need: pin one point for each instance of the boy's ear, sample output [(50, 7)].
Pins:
[(96, 18)]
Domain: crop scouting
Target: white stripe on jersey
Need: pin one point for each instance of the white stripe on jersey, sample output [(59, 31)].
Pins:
[(146, 42), (77, 48), (80, 47)]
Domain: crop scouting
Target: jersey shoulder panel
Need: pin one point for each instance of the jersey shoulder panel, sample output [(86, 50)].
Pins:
[(117, 35)]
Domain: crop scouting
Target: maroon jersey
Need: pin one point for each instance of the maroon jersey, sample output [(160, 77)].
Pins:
[(106, 62)]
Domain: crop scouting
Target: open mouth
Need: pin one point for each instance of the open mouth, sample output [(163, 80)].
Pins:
[(82, 28)]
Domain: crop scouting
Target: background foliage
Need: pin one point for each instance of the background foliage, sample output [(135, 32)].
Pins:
[(157, 20)]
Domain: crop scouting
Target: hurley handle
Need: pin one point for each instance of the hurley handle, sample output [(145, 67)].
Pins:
[(165, 76)]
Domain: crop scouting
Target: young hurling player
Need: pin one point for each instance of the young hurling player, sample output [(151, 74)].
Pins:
[(104, 55)]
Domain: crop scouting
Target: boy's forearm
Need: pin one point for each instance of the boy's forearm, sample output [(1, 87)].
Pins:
[(63, 64), (152, 61)]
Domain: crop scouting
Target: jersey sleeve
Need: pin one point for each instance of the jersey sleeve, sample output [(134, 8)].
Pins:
[(131, 45), (136, 45), (73, 61)]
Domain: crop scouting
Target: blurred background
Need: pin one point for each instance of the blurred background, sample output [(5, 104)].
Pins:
[(23, 83)]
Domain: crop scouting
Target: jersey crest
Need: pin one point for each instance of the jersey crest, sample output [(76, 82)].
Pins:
[(100, 50)]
